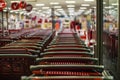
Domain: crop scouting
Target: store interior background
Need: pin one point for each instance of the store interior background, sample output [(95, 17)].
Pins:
[(19, 19)]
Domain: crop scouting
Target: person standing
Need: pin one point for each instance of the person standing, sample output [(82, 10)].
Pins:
[(57, 27), (72, 26)]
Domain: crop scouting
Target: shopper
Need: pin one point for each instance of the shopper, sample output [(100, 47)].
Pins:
[(57, 27)]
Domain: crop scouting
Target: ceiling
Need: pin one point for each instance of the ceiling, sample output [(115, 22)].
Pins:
[(62, 4)]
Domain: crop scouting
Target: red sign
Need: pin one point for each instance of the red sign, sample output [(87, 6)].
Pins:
[(29, 7), (2, 4), (15, 6), (22, 4), (46, 21), (40, 21)]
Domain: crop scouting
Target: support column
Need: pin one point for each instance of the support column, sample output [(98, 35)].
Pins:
[(118, 60), (99, 31), (2, 25), (7, 14), (53, 22)]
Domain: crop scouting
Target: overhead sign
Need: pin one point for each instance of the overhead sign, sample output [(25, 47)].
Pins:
[(29, 7), (14, 6), (2, 4), (22, 4)]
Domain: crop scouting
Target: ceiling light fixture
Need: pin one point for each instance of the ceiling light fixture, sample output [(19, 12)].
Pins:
[(104, 2), (14, 1), (94, 7), (57, 6), (71, 8), (60, 9), (88, 0), (40, 10), (83, 8), (54, 3), (45, 7), (69, 2), (40, 4), (72, 11), (31, 0), (34, 8), (70, 5), (5, 10), (108, 7), (85, 4), (114, 4), (11, 11)]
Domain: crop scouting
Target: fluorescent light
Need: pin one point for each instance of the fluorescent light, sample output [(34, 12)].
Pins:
[(9, 8), (114, 4), (45, 7), (70, 5), (34, 8), (71, 8), (60, 9), (14, 1), (71, 11), (40, 4), (5, 10), (94, 7), (87, 12), (69, 2), (104, 2), (88, 0), (57, 6), (21, 12), (16, 12), (54, 3), (109, 7), (11, 11), (83, 8), (30, 0), (85, 4), (39, 10)]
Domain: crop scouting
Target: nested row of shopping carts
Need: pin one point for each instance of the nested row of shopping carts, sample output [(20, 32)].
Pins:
[(67, 58)]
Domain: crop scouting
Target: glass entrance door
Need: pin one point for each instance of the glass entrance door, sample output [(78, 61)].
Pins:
[(110, 35)]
